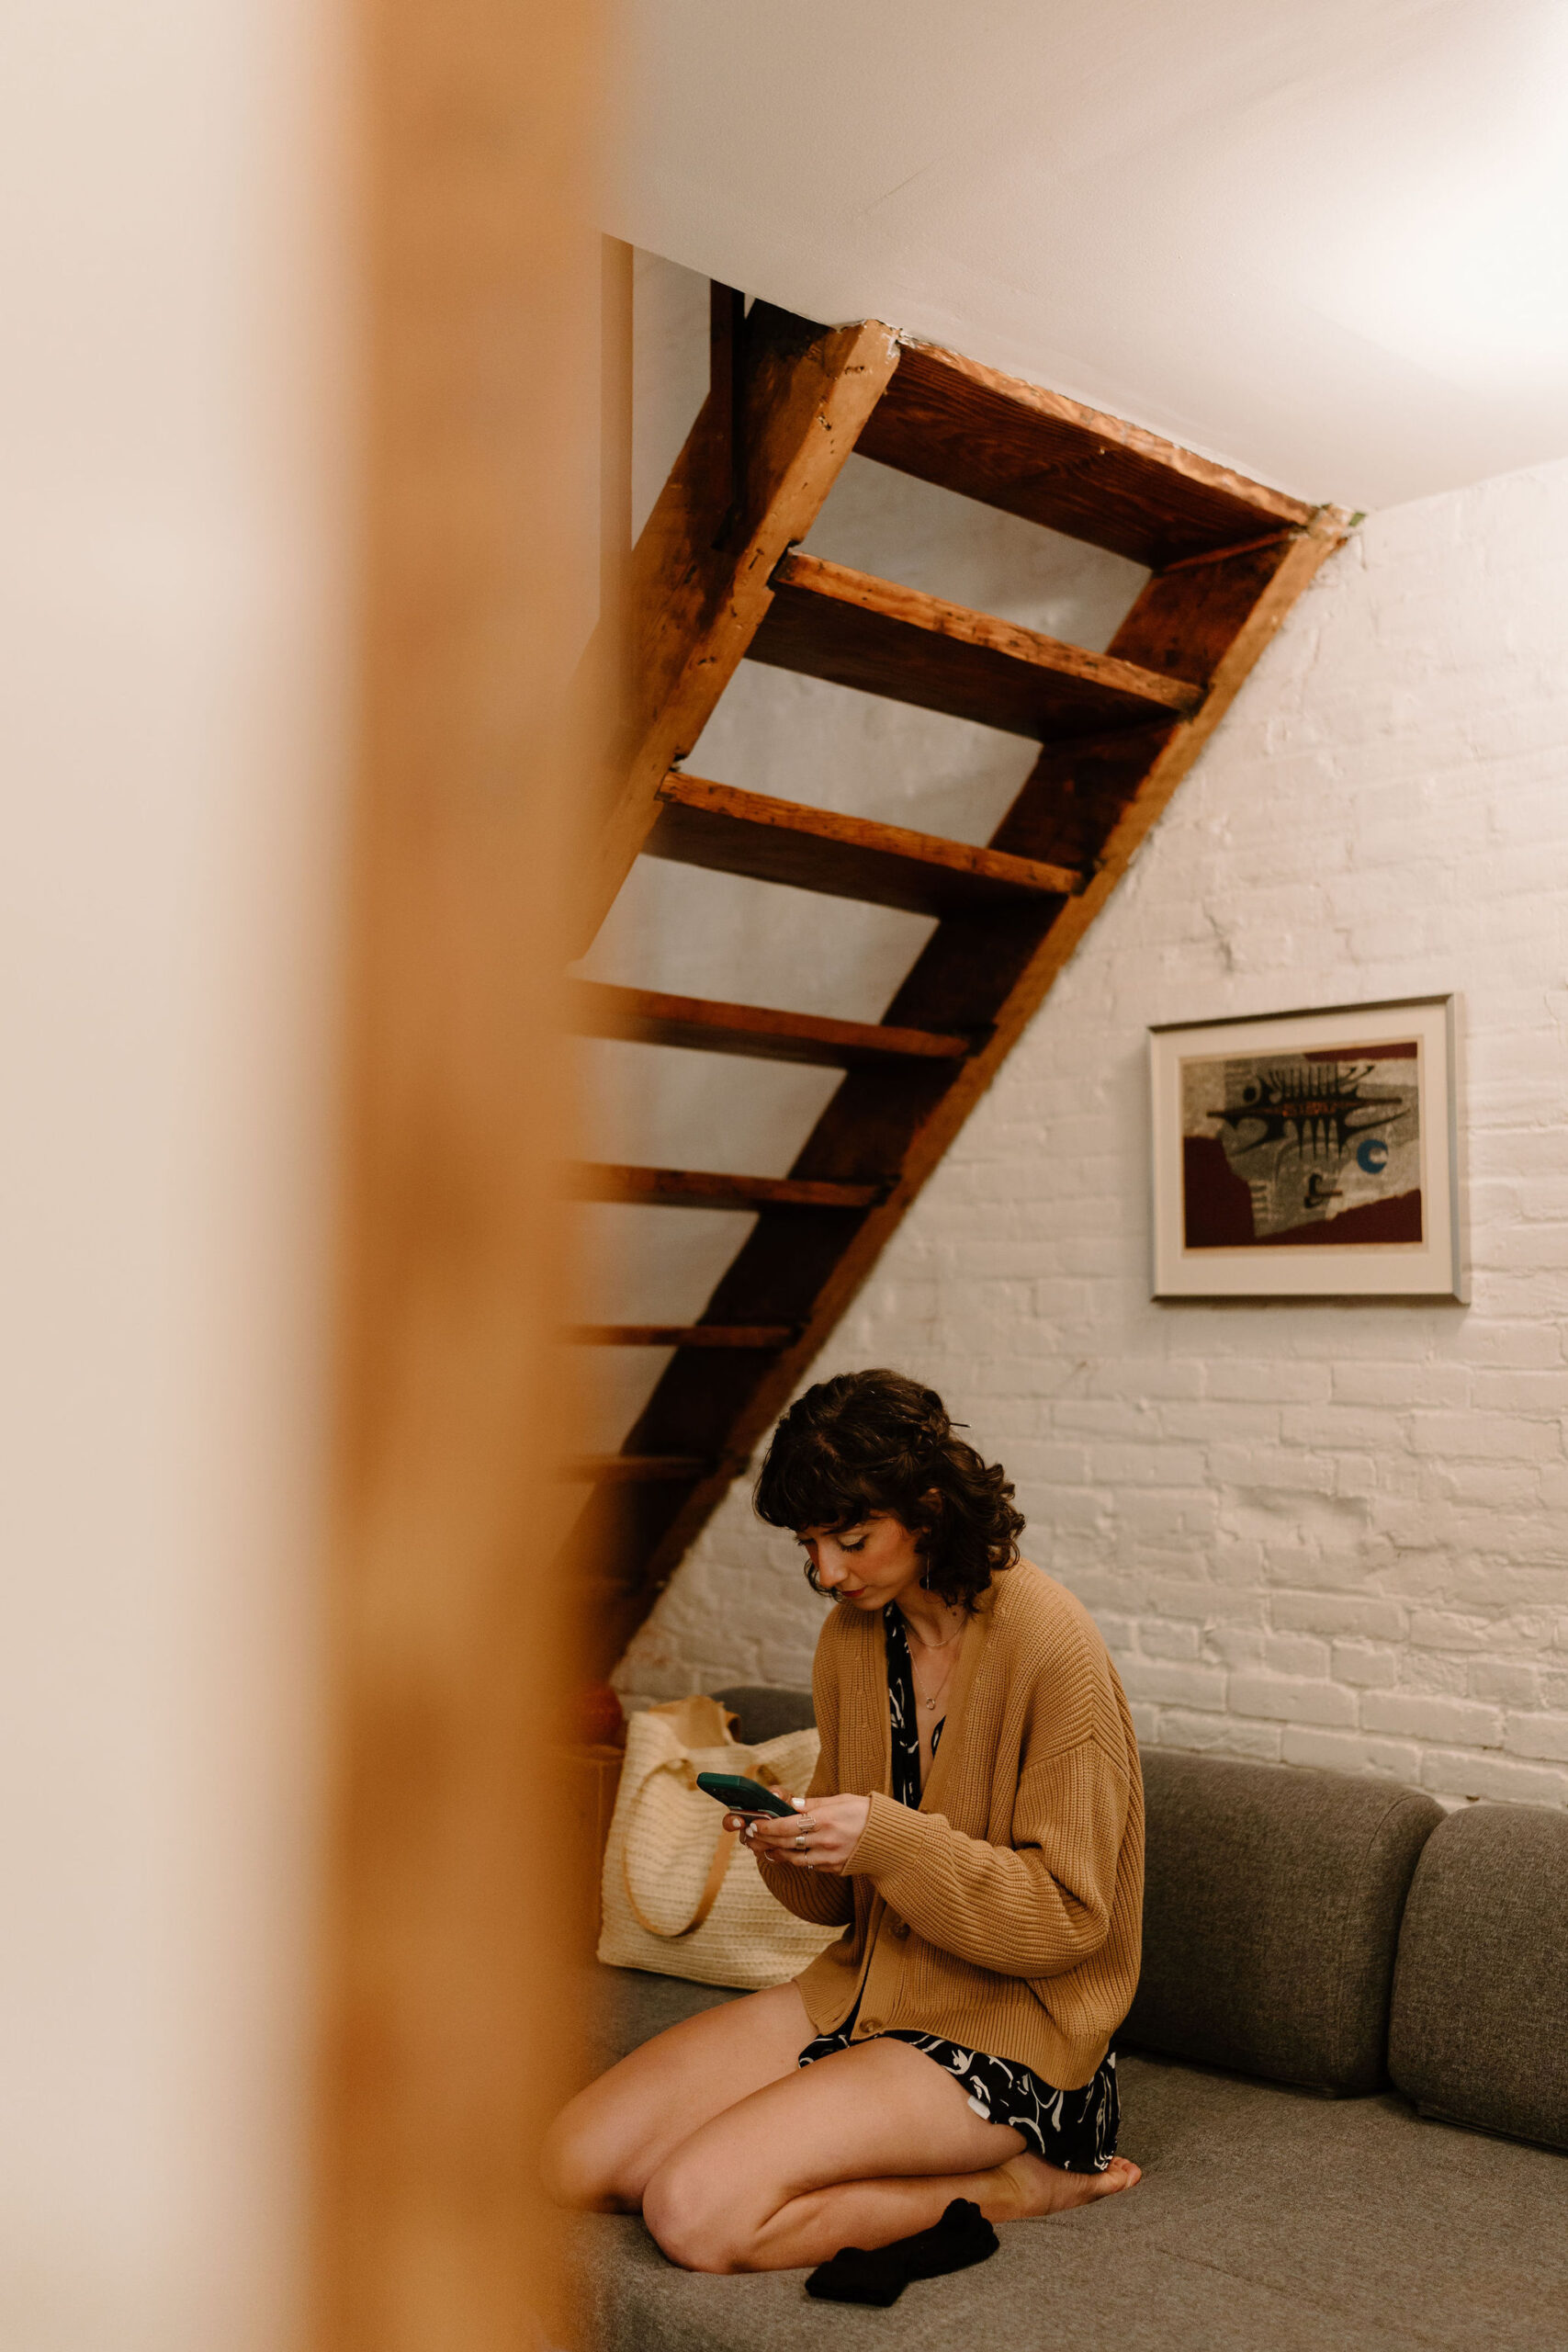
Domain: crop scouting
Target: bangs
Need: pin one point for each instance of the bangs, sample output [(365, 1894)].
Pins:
[(814, 1487)]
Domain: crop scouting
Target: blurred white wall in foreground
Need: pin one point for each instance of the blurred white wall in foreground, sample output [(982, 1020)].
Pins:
[(174, 486)]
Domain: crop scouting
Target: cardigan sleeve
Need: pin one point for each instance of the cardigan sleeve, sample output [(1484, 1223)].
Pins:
[(1035, 1908), (814, 1894)]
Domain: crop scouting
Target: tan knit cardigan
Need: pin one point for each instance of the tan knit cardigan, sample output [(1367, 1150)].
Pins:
[(1006, 1912)]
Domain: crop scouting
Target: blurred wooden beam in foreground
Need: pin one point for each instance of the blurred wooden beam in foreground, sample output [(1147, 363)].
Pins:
[(446, 1980)]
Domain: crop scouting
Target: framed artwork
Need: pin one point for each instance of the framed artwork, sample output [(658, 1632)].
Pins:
[(1308, 1155)]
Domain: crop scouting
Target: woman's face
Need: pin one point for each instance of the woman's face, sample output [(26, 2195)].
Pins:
[(867, 1565)]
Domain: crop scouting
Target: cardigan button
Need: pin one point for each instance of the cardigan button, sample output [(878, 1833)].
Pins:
[(900, 1929), (871, 2025)]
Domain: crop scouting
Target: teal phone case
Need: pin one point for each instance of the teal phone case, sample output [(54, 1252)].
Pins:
[(742, 1795)]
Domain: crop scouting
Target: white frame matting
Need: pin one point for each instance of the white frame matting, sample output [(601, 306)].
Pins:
[(1430, 1268)]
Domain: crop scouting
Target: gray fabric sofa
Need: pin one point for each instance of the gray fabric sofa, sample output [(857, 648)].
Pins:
[(1348, 1999)]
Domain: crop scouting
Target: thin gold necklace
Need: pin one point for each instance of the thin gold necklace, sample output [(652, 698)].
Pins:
[(936, 1694), (940, 1645)]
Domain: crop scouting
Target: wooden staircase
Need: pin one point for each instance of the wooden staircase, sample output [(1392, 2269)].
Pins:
[(717, 577)]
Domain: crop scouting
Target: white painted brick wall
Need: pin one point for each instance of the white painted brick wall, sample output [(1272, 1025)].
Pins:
[(1334, 1534)]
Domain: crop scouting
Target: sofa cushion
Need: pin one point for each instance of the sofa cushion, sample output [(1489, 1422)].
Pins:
[(767, 1712), (626, 2006), (1479, 2028), (1272, 1907), (1265, 2217)]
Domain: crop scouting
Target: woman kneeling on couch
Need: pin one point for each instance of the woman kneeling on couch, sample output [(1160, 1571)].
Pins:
[(975, 1824)]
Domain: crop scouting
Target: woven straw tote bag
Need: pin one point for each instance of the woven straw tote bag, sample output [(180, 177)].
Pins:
[(682, 1894)]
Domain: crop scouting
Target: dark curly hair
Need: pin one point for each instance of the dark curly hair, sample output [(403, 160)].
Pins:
[(878, 1441)]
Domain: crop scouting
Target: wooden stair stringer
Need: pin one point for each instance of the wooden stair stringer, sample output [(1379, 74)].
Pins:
[(700, 572)]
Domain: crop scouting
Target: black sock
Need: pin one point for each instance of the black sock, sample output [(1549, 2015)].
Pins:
[(963, 2236)]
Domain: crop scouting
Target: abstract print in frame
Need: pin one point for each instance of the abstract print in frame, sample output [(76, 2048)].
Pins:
[(1307, 1154)]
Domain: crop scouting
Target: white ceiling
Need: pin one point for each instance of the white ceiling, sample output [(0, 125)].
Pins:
[(1326, 240)]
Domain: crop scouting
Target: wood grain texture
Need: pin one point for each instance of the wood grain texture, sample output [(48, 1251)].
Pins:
[(806, 392), (1075, 794), (1052, 460), (697, 1188), (633, 1469), (826, 621), (450, 1883), (1185, 620), (731, 832), (761, 1335), (756, 1031)]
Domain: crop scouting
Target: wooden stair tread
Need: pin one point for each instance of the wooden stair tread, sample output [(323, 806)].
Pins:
[(759, 1033), (750, 833), (635, 1469), (1054, 461), (699, 1188), (750, 1336), (828, 621)]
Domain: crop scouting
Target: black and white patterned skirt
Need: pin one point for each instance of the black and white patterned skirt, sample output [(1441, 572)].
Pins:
[(1075, 2130)]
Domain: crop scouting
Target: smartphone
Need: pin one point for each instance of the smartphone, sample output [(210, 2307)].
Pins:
[(742, 1795)]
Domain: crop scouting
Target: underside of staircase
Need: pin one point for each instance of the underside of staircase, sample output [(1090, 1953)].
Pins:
[(717, 577)]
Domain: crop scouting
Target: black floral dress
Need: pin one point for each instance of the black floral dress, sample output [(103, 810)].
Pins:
[(1075, 2130)]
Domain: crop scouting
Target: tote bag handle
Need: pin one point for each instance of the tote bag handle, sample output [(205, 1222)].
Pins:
[(723, 1854)]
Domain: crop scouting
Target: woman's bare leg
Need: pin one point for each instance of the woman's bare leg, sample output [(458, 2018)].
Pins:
[(602, 2148), (866, 2146)]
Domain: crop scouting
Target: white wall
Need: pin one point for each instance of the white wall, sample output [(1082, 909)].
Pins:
[(172, 472), (1324, 244), (1329, 1532)]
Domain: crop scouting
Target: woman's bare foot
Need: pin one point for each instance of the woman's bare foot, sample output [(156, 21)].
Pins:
[(1028, 2187)]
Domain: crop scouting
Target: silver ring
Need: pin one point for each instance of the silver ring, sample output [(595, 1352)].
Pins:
[(800, 1843)]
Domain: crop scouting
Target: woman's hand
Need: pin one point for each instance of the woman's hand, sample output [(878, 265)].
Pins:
[(822, 1835)]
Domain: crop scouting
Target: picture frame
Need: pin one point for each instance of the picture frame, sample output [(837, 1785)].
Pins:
[(1308, 1155)]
